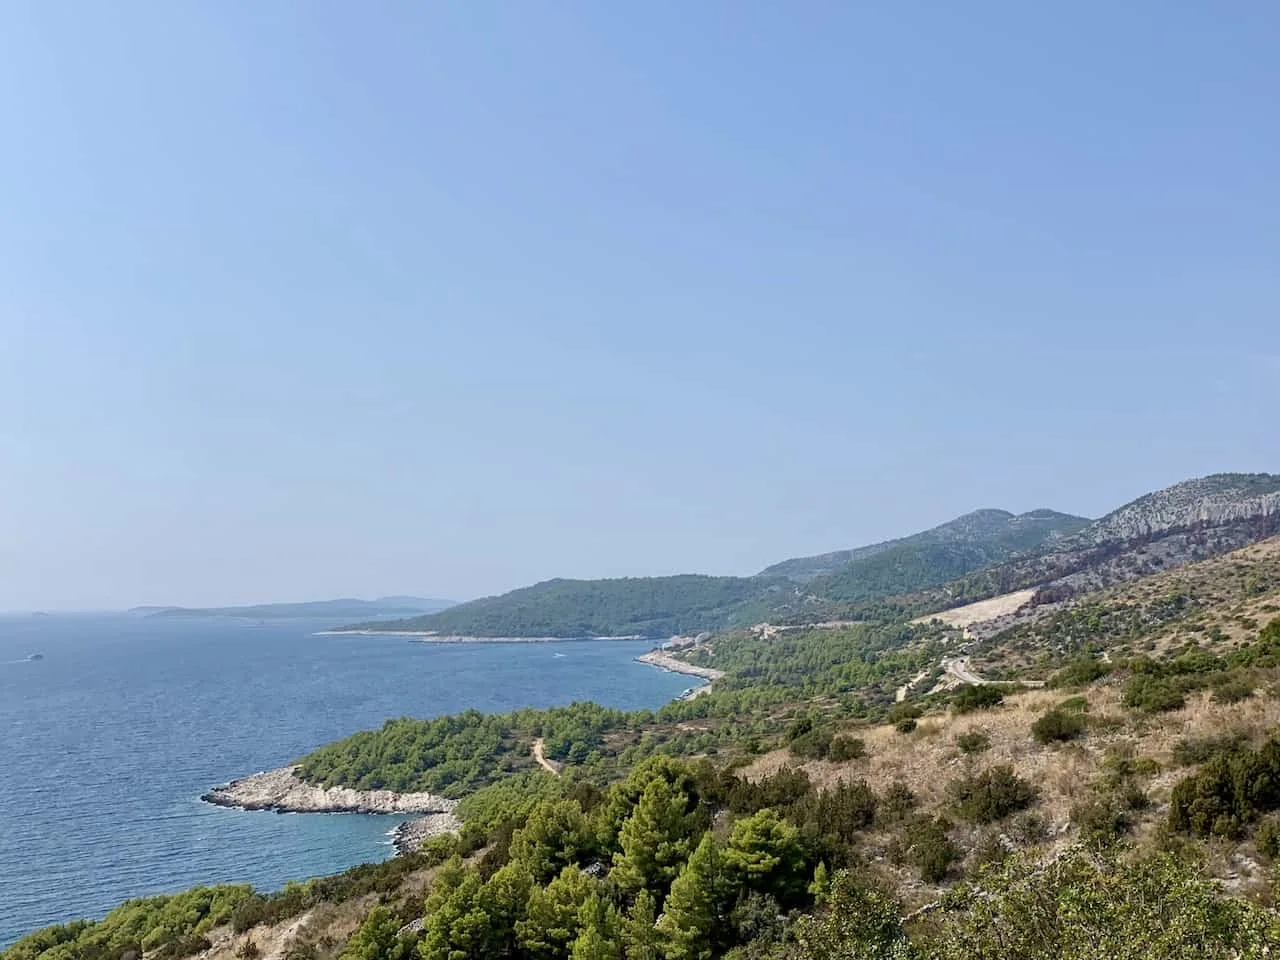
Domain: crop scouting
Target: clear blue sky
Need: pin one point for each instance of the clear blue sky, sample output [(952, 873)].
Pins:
[(304, 299)]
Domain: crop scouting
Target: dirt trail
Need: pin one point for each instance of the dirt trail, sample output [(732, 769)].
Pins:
[(541, 760), (903, 690)]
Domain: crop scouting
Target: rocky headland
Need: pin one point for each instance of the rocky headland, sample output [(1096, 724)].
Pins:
[(664, 661), (285, 792)]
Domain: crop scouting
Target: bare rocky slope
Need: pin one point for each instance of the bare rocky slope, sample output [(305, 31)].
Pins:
[(1181, 524)]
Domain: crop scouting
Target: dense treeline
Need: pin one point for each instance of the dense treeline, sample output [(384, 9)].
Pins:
[(456, 754), (160, 927), (903, 569), (660, 607), (656, 607), (681, 861), (862, 657)]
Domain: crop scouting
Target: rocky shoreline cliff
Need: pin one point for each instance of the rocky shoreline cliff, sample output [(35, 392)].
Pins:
[(285, 792)]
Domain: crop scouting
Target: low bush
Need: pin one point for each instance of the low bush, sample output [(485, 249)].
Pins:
[(1079, 673), (1232, 690), (1267, 837), (973, 741), (1029, 827), (1229, 792), (1057, 725), (845, 748), (973, 697), (904, 716), (823, 744), (990, 795), (1075, 705), (924, 844), (1152, 694), (1190, 751), (1100, 822), (896, 803)]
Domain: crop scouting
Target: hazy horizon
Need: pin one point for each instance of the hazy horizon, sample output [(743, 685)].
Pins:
[(429, 595), (307, 301)]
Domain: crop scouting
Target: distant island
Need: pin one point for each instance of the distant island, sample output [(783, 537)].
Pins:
[(338, 609)]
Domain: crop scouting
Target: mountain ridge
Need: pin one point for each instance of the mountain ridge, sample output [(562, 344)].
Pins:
[(977, 555), (986, 521)]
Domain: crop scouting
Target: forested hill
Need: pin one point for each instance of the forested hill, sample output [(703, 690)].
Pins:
[(972, 557), (661, 607), (656, 607), (993, 534)]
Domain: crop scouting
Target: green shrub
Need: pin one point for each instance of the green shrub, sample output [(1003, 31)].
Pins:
[(1075, 705), (1146, 767), (811, 745), (991, 795), (905, 725), (1152, 694), (1080, 673), (1099, 821), (929, 849), (1029, 827), (973, 697), (1267, 837), (1230, 791), (1058, 726), (973, 741), (1232, 690), (844, 748), (896, 803), (1190, 751)]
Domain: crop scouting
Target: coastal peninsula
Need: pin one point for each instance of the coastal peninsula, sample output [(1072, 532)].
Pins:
[(285, 792), (664, 661)]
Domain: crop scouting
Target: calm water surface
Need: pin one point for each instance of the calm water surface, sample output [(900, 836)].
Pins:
[(107, 743)]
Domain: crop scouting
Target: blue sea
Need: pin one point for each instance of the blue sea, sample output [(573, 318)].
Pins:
[(108, 741)]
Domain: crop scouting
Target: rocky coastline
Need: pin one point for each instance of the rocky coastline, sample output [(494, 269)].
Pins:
[(410, 836), (664, 661), (285, 792)]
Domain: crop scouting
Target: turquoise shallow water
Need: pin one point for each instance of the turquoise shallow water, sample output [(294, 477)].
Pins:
[(107, 743)]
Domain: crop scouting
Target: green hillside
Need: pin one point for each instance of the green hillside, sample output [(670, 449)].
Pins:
[(998, 533), (929, 559), (639, 606), (665, 606)]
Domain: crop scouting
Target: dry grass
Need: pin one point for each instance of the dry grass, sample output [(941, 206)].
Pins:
[(331, 923), (1065, 774), (1232, 597)]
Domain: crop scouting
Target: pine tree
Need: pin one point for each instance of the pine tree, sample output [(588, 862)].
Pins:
[(457, 926), (378, 939), (766, 855), (821, 884), (694, 921), (554, 836), (600, 937), (639, 931), (654, 840), (552, 921)]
